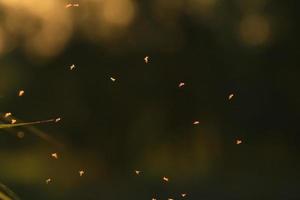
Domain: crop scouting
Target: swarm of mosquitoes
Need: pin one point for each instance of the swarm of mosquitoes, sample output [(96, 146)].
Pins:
[(7, 194)]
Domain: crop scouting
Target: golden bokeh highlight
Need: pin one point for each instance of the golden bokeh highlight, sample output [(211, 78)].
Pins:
[(106, 20), (254, 30), (41, 28), (2, 41), (118, 12), (168, 11), (202, 8)]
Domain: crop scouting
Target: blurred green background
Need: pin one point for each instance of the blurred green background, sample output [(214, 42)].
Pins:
[(143, 121)]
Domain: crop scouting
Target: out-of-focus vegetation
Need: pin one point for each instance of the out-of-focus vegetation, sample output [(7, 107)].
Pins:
[(142, 120)]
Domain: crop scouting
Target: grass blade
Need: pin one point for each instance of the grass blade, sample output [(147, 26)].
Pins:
[(7, 194), (25, 124)]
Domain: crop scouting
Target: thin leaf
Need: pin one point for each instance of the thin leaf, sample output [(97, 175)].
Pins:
[(25, 124), (7, 194)]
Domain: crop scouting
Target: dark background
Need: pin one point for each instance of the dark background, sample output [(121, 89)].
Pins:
[(143, 121)]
